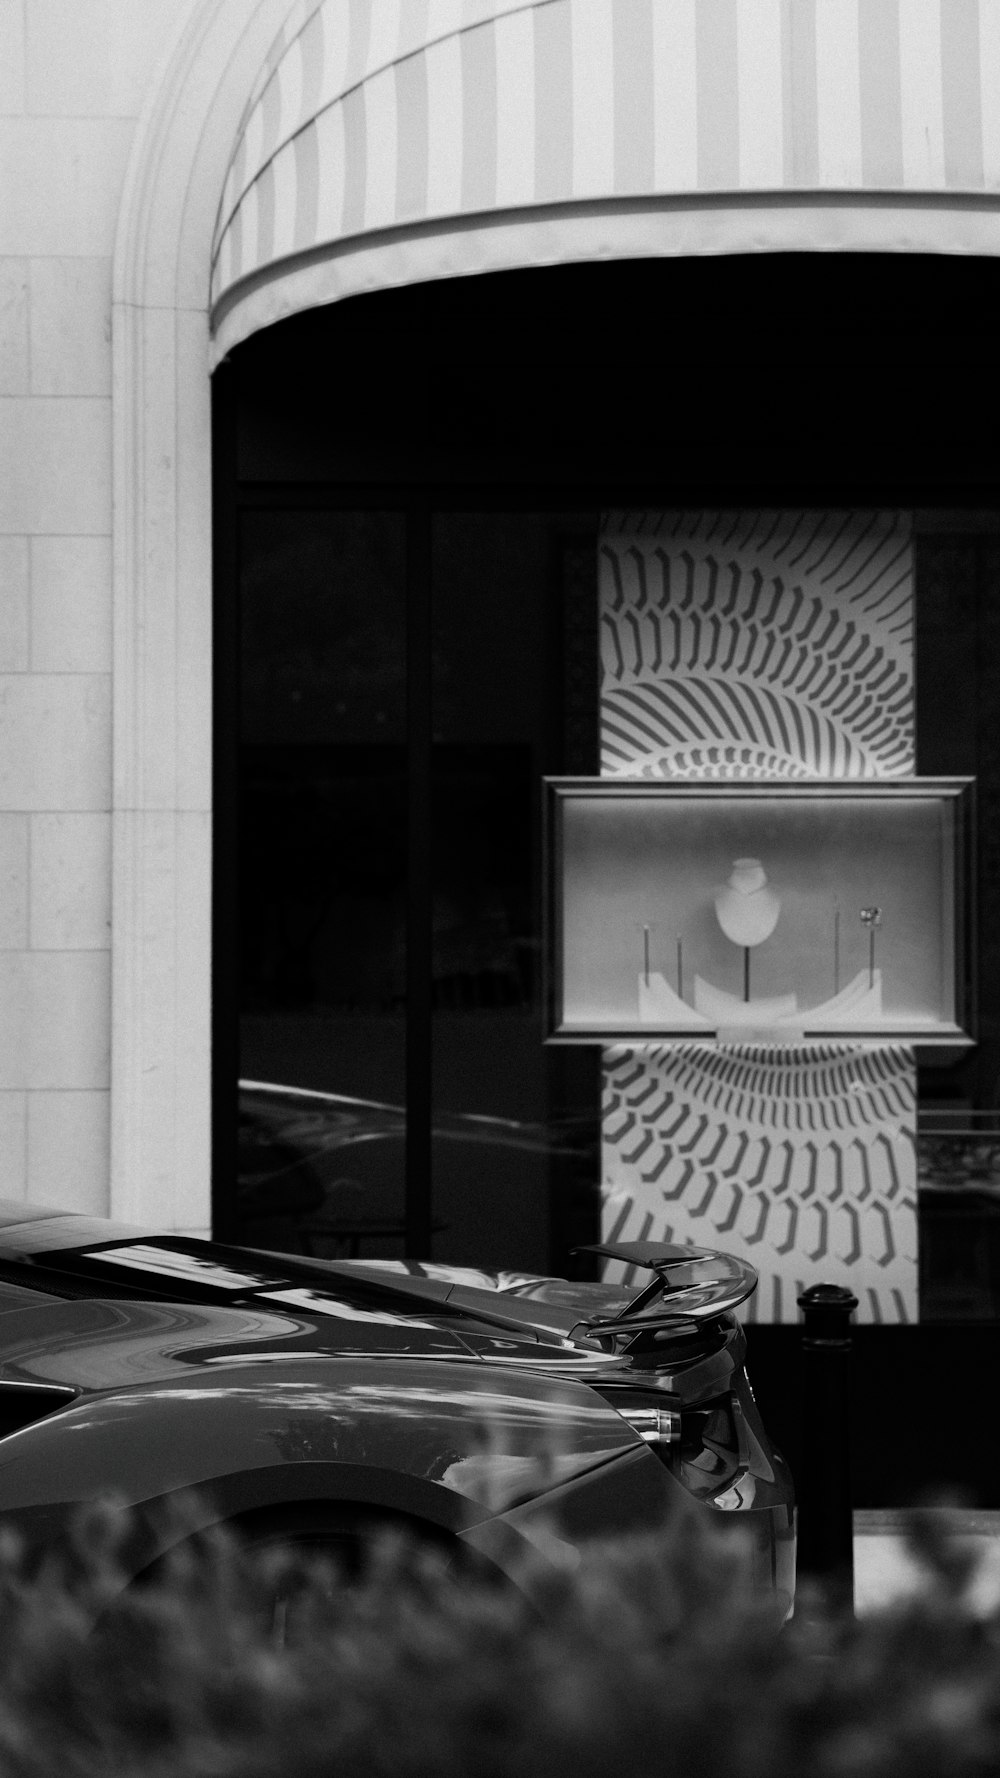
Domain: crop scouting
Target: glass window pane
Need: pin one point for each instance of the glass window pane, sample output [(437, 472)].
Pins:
[(322, 879), (515, 1141), (958, 1131), (322, 636)]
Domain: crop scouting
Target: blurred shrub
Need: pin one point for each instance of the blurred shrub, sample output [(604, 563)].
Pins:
[(648, 1656)]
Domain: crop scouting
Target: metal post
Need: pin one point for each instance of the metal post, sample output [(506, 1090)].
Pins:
[(826, 1524)]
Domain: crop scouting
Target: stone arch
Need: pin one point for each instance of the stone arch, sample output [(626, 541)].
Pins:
[(162, 606)]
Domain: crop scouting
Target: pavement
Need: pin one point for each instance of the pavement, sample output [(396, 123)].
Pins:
[(885, 1571)]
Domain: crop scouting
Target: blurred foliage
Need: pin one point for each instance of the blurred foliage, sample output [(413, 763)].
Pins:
[(651, 1655)]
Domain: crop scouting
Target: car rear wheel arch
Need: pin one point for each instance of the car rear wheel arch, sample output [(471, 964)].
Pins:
[(346, 1532), (340, 1508), (301, 1548)]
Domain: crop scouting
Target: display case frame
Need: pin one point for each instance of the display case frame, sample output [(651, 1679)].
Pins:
[(897, 969)]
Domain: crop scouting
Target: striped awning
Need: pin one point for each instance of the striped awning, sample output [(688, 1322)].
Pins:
[(388, 141)]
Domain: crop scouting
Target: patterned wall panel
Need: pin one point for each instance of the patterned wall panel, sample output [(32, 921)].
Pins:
[(757, 645), (749, 645)]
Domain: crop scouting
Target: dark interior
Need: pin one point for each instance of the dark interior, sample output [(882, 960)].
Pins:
[(381, 730)]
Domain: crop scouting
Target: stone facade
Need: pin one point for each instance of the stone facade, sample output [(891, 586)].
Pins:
[(74, 75)]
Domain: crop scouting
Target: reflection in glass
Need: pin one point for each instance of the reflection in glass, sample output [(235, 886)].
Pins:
[(515, 662), (322, 861), (958, 1178)]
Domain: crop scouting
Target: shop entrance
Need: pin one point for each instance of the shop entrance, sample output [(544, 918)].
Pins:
[(409, 490)]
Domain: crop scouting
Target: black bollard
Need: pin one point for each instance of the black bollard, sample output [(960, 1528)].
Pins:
[(825, 1515)]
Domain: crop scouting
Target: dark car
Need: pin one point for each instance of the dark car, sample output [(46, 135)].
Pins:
[(308, 1397)]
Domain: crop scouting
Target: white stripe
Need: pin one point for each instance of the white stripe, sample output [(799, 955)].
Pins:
[(330, 197), (443, 16), (228, 269), (289, 77), (838, 92), (675, 96), (248, 218), (290, 91), (444, 127), (380, 172), (383, 44), (222, 271), (593, 98), (284, 200), (758, 68), (230, 195), (923, 104), (253, 135), (412, 35), (515, 47), (989, 87), (253, 97), (297, 17), (336, 43), (235, 261)]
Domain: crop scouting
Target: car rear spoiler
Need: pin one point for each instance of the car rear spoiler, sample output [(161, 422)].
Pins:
[(690, 1284)]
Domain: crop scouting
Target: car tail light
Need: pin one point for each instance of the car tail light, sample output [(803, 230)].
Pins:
[(708, 1451), (700, 1444), (660, 1427)]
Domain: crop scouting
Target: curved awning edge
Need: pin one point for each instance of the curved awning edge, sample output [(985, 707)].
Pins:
[(669, 227)]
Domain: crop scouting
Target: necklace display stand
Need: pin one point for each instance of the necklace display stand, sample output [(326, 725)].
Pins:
[(747, 910)]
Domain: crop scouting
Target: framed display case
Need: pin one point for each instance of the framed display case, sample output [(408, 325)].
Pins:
[(778, 913)]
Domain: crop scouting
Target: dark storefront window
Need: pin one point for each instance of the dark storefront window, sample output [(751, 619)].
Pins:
[(360, 1065), (327, 759), (509, 590), (408, 505), (958, 1144), (322, 870), (408, 491)]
